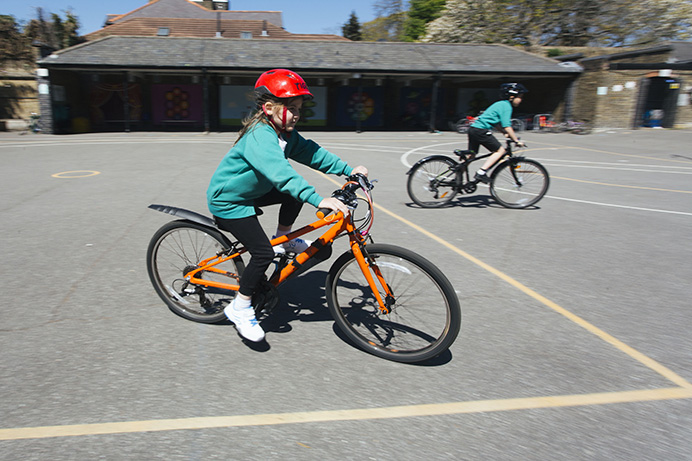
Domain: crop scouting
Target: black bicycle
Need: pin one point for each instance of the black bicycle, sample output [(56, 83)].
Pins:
[(517, 182)]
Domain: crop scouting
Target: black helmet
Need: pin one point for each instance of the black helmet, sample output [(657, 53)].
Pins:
[(512, 89)]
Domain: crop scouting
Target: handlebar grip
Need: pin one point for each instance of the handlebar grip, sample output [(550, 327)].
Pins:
[(322, 212)]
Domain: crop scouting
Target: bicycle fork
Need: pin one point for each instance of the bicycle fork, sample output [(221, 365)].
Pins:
[(368, 267)]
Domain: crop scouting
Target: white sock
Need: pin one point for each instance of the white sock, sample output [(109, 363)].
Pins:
[(239, 303), (481, 171)]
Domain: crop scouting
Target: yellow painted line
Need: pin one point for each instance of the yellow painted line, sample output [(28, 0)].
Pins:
[(684, 391), (404, 411), (652, 364), (621, 185), (636, 355)]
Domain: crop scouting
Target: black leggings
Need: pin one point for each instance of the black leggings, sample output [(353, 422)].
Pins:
[(249, 232)]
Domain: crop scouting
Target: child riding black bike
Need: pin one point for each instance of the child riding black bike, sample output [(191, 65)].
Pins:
[(499, 115)]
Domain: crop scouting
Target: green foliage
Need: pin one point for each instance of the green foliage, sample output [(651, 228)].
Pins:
[(351, 30), (562, 22), (58, 33), (13, 45), (419, 14), (388, 25)]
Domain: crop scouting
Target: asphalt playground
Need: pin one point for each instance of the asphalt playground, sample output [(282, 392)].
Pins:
[(575, 340)]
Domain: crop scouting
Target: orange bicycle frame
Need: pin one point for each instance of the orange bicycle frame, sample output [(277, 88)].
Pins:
[(339, 225)]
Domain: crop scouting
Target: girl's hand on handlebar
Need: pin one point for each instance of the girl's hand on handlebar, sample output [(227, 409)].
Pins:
[(335, 205), (360, 169)]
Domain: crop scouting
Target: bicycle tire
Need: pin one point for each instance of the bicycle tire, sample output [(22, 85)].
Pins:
[(433, 182), (425, 318), (174, 250), (462, 126), (518, 125), (519, 183)]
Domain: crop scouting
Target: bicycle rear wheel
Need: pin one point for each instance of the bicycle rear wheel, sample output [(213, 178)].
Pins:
[(432, 183), (424, 318), (519, 183), (175, 250), (463, 125)]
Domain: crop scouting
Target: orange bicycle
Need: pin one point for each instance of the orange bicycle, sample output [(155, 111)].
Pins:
[(387, 300)]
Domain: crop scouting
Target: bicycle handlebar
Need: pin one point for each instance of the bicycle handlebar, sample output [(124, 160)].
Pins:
[(347, 194), (509, 142)]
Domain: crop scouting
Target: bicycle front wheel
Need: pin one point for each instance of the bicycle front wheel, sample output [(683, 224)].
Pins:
[(175, 250), (519, 183), (432, 183), (424, 315)]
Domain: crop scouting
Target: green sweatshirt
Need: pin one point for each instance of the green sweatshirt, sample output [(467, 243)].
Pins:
[(257, 163), (499, 113)]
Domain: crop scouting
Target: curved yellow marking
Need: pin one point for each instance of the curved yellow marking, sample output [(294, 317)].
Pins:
[(75, 174)]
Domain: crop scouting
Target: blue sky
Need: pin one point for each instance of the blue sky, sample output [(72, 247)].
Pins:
[(301, 17)]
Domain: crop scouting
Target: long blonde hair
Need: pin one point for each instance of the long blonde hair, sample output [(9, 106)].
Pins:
[(258, 116)]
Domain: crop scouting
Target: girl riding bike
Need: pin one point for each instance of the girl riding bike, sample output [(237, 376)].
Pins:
[(256, 172)]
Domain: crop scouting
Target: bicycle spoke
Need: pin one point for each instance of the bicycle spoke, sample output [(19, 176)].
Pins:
[(422, 316)]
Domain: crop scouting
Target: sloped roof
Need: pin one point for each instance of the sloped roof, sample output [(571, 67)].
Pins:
[(332, 56), (191, 10), (185, 27)]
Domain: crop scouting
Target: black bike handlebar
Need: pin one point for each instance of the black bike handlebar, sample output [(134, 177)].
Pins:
[(347, 194)]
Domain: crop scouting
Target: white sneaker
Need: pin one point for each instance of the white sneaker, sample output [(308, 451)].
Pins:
[(245, 322), (294, 246)]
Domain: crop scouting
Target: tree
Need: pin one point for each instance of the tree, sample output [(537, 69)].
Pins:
[(55, 34), (419, 14), (13, 45), (466, 21), (562, 22), (351, 30), (389, 23)]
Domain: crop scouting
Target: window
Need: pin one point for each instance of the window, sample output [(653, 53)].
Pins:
[(163, 32), (246, 35)]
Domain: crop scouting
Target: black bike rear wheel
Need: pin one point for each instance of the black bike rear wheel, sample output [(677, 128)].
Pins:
[(519, 183), (424, 318), (175, 250), (432, 183)]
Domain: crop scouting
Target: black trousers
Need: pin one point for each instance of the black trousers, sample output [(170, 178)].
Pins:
[(249, 232)]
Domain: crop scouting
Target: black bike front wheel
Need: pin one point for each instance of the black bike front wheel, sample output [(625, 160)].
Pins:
[(424, 315), (519, 183), (432, 183), (175, 250)]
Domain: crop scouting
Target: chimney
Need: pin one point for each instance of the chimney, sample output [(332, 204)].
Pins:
[(264, 29), (218, 25)]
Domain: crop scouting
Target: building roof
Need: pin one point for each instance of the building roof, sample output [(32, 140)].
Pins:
[(185, 27), (386, 58), (192, 10)]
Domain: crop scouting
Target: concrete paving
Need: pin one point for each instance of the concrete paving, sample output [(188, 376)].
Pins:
[(575, 339)]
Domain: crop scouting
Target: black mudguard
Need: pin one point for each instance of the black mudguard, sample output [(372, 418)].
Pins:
[(186, 214)]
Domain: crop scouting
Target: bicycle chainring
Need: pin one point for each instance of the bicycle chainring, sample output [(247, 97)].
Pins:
[(470, 188), (266, 297)]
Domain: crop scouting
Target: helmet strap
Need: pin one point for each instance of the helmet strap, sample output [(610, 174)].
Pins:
[(270, 119)]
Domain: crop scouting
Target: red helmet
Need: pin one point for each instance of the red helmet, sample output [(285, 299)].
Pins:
[(282, 83)]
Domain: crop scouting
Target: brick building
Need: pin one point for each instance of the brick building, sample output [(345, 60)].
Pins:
[(634, 88)]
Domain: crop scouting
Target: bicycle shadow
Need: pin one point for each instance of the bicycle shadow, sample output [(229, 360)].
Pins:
[(470, 201), (464, 201), (303, 299)]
